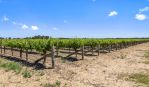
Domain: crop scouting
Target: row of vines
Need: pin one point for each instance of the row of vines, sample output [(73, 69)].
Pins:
[(53, 46)]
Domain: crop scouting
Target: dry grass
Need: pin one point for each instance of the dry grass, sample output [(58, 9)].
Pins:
[(140, 78), (146, 62), (56, 84), (146, 55)]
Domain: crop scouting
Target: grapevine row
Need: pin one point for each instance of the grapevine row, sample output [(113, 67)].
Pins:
[(44, 46)]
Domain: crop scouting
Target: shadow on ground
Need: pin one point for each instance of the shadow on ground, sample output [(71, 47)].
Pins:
[(37, 66)]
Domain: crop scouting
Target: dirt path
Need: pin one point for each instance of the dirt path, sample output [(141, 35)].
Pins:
[(95, 71)]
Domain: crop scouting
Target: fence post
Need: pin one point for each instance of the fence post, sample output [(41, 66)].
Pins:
[(44, 60), (98, 50), (82, 52), (53, 57), (1, 49), (11, 51), (26, 55), (20, 52), (57, 52), (4, 50)]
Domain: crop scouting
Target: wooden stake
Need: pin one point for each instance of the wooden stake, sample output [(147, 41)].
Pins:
[(57, 52), (76, 53), (98, 50), (11, 51), (21, 53), (45, 57), (1, 49), (4, 49), (69, 49), (82, 52), (109, 48), (92, 51), (53, 57), (26, 55)]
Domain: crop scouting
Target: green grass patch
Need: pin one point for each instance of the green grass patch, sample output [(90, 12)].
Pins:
[(140, 78), (56, 84), (16, 67), (26, 74), (146, 62), (146, 55)]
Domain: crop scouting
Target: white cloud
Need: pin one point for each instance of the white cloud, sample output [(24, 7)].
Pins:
[(141, 17), (25, 26), (34, 27), (144, 9), (113, 13), (22, 25), (5, 18), (55, 28)]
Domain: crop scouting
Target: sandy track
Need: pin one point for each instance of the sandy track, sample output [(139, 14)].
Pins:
[(94, 71)]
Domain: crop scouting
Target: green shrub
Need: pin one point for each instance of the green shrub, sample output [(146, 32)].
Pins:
[(27, 74)]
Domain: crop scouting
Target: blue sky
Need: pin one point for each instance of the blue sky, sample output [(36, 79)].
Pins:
[(74, 18)]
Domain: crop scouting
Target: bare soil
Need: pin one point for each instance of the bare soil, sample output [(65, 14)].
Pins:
[(95, 71)]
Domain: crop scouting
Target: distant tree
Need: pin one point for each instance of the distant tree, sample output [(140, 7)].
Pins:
[(9, 37), (38, 37), (1, 38)]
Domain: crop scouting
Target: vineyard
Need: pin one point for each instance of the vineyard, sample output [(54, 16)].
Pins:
[(57, 47)]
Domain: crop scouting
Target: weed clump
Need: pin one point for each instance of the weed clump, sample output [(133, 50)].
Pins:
[(12, 66), (140, 78), (26, 74), (56, 84)]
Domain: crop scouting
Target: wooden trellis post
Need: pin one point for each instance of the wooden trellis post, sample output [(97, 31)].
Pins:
[(98, 50), (82, 52), (11, 51), (92, 51), (44, 60), (21, 53), (109, 48), (57, 52), (4, 49), (26, 55), (53, 57), (1, 49), (76, 53)]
